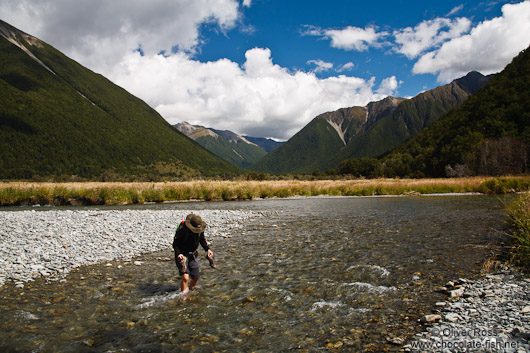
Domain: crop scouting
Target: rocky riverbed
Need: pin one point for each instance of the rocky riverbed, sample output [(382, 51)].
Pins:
[(491, 314), (51, 243)]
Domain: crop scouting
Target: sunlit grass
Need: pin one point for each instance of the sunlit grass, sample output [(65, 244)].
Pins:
[(116, 193)]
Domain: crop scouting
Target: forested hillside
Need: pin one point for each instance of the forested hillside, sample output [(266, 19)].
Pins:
[(489, 134), (58, 119), (366, 132)]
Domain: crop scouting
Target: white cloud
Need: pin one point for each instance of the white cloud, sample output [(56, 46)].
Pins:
[(321, 65), (259, 98), (388, 86), (455, 10), (346, 67), (488, 48), (97, 33), (349, 38), (429, 34)]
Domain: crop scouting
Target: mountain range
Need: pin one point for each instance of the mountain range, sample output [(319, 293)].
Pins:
[(489, 134), (369, 131), (241, 151), (60, 120)]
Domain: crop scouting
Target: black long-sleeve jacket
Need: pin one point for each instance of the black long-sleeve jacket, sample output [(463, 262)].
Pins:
[(185, 241)]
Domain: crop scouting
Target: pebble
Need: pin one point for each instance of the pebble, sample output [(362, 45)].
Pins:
[(431, 318), (53, 242), (492, 314), (457, 292)]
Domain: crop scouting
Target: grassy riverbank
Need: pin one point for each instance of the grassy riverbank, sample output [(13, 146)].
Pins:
[(519, 213), (105, 193)]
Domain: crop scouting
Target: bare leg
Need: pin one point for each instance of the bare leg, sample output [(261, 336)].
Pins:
[(184, 282), (193, 283)]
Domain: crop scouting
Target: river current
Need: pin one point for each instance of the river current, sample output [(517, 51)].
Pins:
[(316, 275)]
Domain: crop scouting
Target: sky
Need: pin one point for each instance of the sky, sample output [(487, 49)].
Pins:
[(266, 68)]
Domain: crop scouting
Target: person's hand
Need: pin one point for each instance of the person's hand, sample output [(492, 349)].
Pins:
[(210, 253), (180, 257)]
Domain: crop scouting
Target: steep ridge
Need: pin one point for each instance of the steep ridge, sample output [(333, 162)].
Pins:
[(226, 144), (409, 117), (369, 131), (233, 137), (60, 120), (489, 134)]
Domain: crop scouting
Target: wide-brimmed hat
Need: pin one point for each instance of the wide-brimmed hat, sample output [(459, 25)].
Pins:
[(195, 223)]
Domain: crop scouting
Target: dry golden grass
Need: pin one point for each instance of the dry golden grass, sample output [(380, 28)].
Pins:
[(20, 193)]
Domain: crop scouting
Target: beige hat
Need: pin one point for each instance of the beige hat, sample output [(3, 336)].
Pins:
[(195, 223)]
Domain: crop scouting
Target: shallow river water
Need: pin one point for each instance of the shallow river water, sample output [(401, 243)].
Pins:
[(317, 275)]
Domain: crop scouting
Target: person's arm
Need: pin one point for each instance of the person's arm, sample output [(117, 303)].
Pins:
[(176, 241), (204, 244)]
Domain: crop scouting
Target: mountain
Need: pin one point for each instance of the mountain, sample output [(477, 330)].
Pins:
[(369, 131), (59, 119), (268, 145), (228, 145), (410, 117), (489, 134)]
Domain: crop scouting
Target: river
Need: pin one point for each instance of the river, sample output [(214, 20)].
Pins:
[(318, 274)]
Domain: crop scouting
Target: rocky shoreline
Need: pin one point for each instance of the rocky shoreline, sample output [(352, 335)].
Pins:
[(490, 314), (52, 242)]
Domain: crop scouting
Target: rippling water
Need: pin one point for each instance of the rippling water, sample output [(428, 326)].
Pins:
[(320, 274)]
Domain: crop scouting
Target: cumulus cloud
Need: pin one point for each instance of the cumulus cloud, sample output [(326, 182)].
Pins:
[(148, 48), (259, 98), (487, 48), (429, 34), (98, 32), (388, 86), (321, 65), (349, 38)]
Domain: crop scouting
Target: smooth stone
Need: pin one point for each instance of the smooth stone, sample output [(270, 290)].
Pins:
[(456, 292), (430, 318), (452, 317)]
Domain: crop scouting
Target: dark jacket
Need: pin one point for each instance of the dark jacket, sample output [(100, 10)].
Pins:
[(185, 241)]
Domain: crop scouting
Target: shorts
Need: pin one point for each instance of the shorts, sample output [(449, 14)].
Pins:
[(192, 266)]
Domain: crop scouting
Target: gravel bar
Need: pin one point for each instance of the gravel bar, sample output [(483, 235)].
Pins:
[(491, 314), (51, 243)]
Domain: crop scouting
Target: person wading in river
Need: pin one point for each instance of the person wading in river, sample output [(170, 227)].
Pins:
[(188, 236)]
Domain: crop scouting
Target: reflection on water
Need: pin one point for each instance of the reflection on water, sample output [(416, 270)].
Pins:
[(321, 274)]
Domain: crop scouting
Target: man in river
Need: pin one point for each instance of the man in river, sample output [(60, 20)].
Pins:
[(189, 234)]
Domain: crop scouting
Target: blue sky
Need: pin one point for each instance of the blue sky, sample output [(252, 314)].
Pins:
[(267, 67), (279, 26)]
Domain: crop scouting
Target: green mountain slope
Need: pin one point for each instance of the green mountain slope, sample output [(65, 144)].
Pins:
[(238, 153), (410, 117), (489, 134), (58, 118), (360, 132), (223, 143), (304, 151)]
